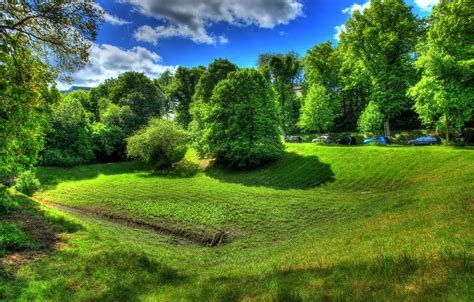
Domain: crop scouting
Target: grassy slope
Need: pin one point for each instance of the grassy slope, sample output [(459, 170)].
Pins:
[(323, 223)]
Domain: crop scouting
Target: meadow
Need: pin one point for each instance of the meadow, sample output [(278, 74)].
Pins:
[(322, 223)]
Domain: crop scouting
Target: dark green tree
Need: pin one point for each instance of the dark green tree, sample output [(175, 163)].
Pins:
[(242, 121), (136, 90), (181, 91), (216, 72), (283, 71)]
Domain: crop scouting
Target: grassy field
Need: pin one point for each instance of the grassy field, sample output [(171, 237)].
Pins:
[(323, 223)]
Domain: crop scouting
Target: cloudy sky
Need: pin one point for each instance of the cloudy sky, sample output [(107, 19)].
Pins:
[(152, 36)]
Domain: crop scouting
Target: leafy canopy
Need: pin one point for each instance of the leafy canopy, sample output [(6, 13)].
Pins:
[(241, 124)]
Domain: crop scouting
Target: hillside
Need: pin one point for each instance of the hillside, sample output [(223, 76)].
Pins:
[(322, 223)]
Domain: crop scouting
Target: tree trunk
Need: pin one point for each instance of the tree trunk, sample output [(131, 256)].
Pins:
[(386, 128), (283, 132), (446, 122)]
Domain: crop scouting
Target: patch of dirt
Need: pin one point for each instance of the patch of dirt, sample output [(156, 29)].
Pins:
[(199, 238)]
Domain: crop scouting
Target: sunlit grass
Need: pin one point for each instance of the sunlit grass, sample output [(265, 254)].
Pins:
[(350, 223)]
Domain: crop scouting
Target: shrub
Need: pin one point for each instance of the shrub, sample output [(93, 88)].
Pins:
[(241, 128), (7, 202), (160, 144), (27, 183), (11, 238)]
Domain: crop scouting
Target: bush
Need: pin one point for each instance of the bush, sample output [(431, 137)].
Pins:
[(27, 183), (241, 128), (7, 202), (160, 144), (11, 238), (61, 158)]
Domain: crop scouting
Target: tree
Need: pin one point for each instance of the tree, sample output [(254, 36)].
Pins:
[(161, 143), (241, 124), (34, 33), (109, 142), (383, 37), (120, 116), (163, 83), (282, 71), (319, 109), (444, 96), (136, 90), (216, 72), (370, 121), (181, 91), (85, 99), (24, 100), (63, 30), (68, 140)]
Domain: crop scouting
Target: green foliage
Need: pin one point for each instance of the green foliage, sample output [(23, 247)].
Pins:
[(181, 91), (283, 71), (24, 101), (321, 66), (109, 142), (216, 72), (319, 109), (84, 97), (12, 238), (444, 96), (382, 38), (371, 119), (136, 90), (69, 138), (27, 183), (120, 116), (7, 202), (58, 31), (241, 129), (161, 143)]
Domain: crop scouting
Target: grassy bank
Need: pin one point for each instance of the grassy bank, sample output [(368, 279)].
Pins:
[(348, 223)]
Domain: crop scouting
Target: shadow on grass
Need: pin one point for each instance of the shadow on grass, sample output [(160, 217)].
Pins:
[(394, 279), (42, 227), (292, 171), (108, 275), (51, 176), (182, 169)]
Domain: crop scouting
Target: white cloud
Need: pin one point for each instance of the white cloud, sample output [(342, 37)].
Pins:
[(114, 20), (339, 29), (191, 19), (106, 61), (223, 40), (356, 7), (426, 5)]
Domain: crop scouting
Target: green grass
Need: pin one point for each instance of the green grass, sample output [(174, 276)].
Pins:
[(323, 223)]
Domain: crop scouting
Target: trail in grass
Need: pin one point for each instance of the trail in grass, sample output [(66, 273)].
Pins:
[(184, 236)]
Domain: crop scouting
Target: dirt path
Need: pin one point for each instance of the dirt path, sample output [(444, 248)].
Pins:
[(182, 236)]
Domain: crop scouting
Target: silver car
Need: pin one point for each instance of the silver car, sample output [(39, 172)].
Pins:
[(323, 139)]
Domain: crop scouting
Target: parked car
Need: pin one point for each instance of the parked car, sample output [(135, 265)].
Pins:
[(294, 139), (378, 139), (424, 141), (323, 139), (346, 140)]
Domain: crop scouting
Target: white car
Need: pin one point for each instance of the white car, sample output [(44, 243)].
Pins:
[(323, 139)]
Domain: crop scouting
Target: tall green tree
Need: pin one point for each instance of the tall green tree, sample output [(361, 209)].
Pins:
[(319, 109), (444, 96), (216, 72), (283, 71), (163, 83), (241, 125), (321, 105), (383, 37), (181, 92), (370, 121)]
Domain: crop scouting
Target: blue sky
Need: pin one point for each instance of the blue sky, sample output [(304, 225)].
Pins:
[(152, 36)]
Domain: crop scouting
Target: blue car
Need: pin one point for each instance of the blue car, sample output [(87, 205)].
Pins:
[(424, 141), (378, 139)]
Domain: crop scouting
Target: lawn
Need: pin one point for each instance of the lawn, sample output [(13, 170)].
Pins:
[(323, 223)]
